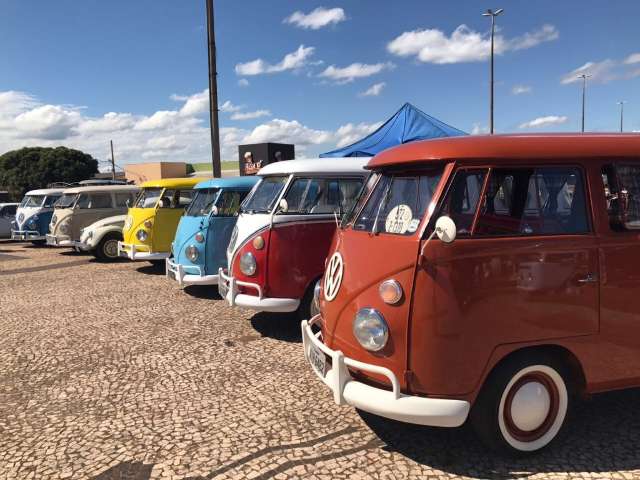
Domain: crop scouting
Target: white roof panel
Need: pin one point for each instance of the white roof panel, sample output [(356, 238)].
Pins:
[(320, 165)]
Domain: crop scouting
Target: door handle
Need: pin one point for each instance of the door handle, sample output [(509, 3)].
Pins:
[(590, 278)]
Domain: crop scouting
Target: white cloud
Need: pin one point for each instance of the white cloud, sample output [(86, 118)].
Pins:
[(351, 133), (284, 131), (318, 18), (250, 115), (109, 122), (542, 122), (633, 58), (601, 72), (230, 107), (354, 71), (520, 89), (464, 44), (374, 90), (291, 61), (479, 129), (243, 82), (47, 122), (195, 104)]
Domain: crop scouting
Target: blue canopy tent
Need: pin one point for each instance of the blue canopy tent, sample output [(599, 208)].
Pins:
[(408, 124)]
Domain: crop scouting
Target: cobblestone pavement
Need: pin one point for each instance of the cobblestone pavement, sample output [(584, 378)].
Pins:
[(108, 371)]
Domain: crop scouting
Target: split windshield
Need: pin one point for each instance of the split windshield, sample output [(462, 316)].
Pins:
[(202, 202), (148, 197), (67, 200), (31, 201), (265, 195), (398, 202)]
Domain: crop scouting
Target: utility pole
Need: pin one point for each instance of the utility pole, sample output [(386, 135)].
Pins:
[(584, 90), (493, 15), (113, 162), (213, 92), (621, 103)]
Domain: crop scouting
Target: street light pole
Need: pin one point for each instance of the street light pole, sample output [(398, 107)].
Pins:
[(493, 15), (621, 103), (584, 90), (113, 162), (213, 92)]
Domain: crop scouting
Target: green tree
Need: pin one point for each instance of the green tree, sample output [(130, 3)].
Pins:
[(36, 167)]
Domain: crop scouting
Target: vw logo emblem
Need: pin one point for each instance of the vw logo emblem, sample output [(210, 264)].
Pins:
[(333, 277)]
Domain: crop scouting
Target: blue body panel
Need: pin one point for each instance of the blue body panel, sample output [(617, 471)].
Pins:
[(215, 229)]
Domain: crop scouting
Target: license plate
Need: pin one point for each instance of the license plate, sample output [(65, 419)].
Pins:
[(317, 359)]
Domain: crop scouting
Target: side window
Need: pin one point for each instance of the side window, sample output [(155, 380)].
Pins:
[(183, 198), (527, 201), (123, 199), (49, 201), (318, 196), (100, 200), (622, 191), (462, 198)]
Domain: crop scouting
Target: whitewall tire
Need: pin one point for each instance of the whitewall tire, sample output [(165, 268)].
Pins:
[(523, 405)]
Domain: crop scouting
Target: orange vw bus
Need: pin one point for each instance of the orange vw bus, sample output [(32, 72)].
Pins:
[(489, 278)]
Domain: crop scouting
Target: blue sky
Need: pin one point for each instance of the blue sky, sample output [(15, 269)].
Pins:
[(80, 73)]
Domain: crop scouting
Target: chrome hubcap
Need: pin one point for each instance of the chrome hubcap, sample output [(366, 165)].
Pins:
[(111, 248), (530, 406)]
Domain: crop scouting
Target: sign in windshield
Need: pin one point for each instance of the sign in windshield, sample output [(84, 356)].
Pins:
[(398, 203)]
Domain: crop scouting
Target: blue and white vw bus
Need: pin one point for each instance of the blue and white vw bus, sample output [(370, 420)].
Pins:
[(200, 246), (34, 214)]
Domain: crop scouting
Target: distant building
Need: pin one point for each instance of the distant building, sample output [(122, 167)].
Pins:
[(141, 172)]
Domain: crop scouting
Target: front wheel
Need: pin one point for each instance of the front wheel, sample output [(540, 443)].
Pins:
[(523, 405), (107, 249)]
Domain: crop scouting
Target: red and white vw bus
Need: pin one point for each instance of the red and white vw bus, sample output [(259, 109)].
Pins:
[(280, 242), (493, 277)]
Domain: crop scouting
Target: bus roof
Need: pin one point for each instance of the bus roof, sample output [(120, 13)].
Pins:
[(46, 191), (320, 165), (102, 188), (523, 146), (187, 182), (230, 182)]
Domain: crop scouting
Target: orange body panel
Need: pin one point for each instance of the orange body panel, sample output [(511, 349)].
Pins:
[(470, 303)]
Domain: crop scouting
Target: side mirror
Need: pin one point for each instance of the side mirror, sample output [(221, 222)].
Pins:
[(283, 206), (446, 229)]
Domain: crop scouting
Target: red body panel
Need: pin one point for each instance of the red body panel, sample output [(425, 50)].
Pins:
[(470, 303)]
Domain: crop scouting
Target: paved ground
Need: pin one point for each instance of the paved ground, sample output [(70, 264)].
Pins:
[(108, 371)]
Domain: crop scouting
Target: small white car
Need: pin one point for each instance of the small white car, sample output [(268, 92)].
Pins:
[(101, 238), (7, 217)]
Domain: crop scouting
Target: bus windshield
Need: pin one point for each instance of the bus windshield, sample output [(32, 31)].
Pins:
[(66, 201), (31, 201), (148, 197), (265, 195), (202, 202)]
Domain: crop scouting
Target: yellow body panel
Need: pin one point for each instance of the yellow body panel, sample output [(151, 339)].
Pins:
[(161, 222)]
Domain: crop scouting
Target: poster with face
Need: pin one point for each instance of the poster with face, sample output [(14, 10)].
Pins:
[(251, 167)]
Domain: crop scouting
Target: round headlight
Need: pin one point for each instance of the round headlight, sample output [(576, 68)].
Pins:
[(199, 237), (192, 253), (64, 228), (89, 234), (33, 223), (54, 219), (370, 329), (315, 306), (258, 243), (142, 235), (248, 264), (148, 224), (127, 222), (390, 292)]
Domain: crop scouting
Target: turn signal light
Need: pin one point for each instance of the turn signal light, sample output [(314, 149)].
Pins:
[(390, 292), (258, 243)]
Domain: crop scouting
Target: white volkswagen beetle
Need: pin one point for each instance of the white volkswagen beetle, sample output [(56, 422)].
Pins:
[(101, 238)]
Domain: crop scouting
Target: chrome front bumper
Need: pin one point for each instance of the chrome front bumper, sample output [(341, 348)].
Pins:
[(59, 240), (133, 252), (228, 288), (178, 272), (27, 235), (436, 412)]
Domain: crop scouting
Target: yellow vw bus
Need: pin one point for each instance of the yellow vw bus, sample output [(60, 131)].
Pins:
[(152, 221)]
